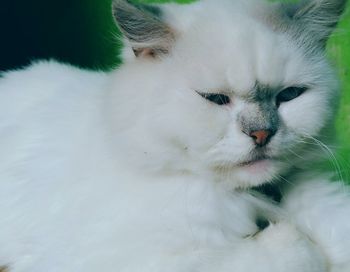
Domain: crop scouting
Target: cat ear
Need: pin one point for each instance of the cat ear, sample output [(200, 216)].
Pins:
[(316, 18), (147, 34)]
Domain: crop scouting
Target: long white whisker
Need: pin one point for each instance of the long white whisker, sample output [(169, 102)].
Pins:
[(328, 151)]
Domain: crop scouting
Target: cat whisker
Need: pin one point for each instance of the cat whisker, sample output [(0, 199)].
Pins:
[(285, 179), (331, 155), (296, 154)]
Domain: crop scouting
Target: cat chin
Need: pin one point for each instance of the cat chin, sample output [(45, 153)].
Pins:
[(251, 175)]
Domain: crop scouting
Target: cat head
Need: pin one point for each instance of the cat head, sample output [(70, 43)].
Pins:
[(238, 89)]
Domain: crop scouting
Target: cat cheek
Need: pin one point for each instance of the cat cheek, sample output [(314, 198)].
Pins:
[(305, 117)]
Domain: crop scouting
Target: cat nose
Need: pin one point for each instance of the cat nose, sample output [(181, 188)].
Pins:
[(261, 137)]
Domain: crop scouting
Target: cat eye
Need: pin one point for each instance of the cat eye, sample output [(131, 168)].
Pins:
[(219, 99), (289, 94)]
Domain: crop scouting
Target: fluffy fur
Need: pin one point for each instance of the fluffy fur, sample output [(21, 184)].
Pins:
[(135, 171)]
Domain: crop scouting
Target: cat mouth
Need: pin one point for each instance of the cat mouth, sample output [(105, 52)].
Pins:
[(254, 161)]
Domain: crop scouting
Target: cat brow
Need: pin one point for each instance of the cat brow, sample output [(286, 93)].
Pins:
[(261, 92)]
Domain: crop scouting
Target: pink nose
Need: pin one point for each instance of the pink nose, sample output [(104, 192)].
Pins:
[(261, 137)]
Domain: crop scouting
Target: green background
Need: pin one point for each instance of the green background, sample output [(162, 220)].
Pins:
[(82, 32)]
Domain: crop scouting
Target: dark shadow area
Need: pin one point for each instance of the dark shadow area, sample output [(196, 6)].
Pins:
[(80, 32)]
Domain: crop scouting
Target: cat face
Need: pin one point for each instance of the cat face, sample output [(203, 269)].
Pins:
[(234, 89)]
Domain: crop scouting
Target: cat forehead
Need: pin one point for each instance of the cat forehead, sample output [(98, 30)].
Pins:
[(237, 54), (184, 17), (231, 13)]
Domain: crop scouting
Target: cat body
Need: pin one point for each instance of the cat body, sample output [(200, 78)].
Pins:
[(149, 168), (79, 221)]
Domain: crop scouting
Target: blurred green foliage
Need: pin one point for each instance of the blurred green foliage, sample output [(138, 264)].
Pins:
[(339, 51)]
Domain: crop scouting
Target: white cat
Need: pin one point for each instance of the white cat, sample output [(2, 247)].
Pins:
[(150, 168)]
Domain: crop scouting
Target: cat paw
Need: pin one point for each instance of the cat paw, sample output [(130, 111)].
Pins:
[(278, 234), (293, 248)]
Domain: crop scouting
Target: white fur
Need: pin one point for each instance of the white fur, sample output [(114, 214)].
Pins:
[(134, 171), (321, 209)]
